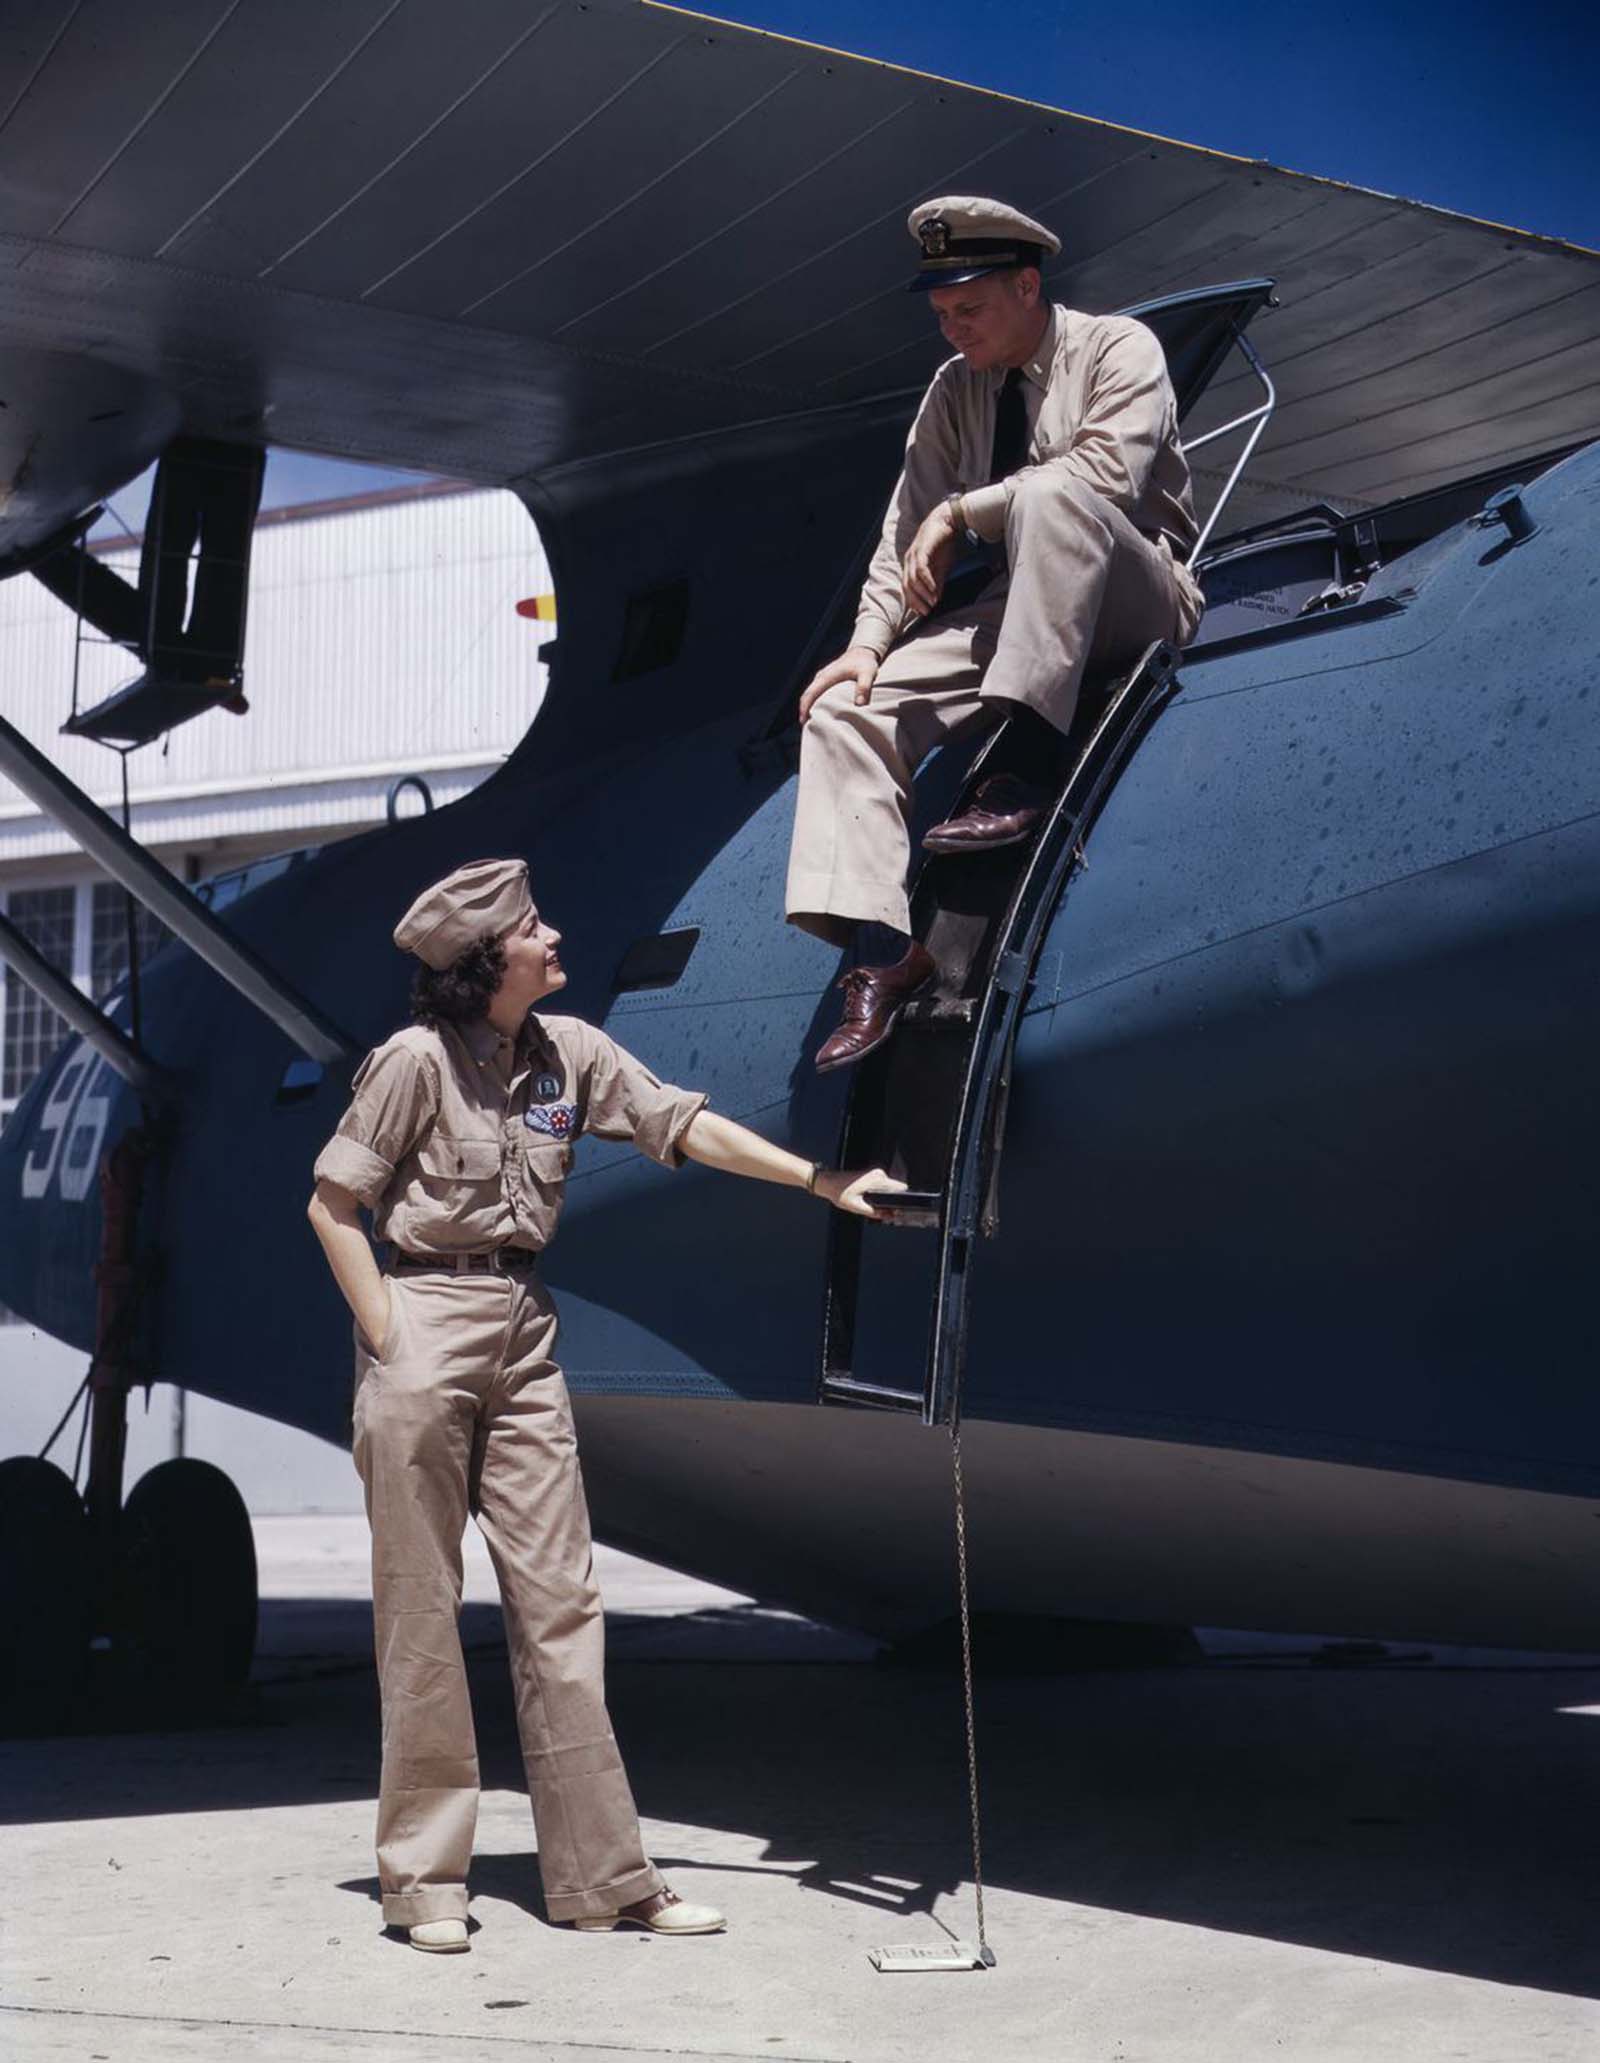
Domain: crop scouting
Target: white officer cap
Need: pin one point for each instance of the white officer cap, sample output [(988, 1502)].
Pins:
[(963, 236), (480, 900)]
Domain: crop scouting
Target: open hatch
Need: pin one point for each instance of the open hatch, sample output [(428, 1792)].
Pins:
[(930, 1104)]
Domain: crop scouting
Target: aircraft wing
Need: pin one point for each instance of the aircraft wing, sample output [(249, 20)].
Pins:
[(502, 239)]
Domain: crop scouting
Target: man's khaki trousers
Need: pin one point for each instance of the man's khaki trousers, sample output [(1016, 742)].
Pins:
[(1085, 590), (464, 1409)]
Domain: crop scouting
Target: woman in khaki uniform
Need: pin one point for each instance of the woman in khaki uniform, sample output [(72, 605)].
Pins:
[(458, 1140)]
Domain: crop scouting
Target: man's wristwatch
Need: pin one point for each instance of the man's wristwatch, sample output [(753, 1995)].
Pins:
[(958, 515)]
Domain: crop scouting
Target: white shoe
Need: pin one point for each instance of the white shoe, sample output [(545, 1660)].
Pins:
[(663, 1913), (440, 1937)]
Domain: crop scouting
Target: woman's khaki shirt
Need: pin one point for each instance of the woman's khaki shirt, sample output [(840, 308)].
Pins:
[(460, 1140)]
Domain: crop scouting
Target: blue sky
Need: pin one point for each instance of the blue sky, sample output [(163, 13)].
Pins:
[(1487, 109), (293, 479)]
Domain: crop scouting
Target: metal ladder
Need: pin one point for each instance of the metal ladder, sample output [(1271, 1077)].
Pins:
[(980, 1072)]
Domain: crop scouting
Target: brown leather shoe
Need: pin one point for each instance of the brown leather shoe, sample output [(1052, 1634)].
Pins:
[(872, 1000), (1004, 811)]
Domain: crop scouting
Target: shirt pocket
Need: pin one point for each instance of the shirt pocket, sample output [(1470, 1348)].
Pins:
[(459, 1174), (546, 1163)]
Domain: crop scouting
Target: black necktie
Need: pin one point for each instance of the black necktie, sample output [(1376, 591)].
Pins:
[(977, 569), (1010, 450)]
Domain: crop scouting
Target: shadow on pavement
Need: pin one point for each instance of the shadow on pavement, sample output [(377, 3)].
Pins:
[(1436, 1817)]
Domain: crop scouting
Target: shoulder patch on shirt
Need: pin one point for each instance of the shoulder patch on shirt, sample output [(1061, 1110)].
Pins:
[(553, 1120)]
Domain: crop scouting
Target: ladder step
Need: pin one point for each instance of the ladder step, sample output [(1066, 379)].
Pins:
[(916, 1208), (940, 1013), (846, 1389)]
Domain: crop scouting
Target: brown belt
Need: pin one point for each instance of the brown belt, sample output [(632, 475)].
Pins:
[(504, 1260)]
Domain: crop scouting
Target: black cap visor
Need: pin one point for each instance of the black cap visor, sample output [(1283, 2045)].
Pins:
[(974, 260)]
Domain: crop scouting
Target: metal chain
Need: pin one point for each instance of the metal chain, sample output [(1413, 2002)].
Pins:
[(966, 1683)]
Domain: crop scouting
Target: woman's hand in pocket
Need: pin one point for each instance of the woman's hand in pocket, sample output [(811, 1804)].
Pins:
[(372, 1320)]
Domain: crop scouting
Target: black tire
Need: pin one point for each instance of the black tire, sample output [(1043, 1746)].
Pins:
[(186, 1583), (44, 1595)]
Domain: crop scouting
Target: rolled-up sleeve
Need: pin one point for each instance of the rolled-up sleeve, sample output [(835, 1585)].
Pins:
[(624, 1100), (394, 1096)]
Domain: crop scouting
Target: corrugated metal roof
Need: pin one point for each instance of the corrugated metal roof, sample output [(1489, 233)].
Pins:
[(382, 639)]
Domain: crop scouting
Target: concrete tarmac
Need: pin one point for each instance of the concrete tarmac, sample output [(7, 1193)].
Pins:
[(1275, 1852)]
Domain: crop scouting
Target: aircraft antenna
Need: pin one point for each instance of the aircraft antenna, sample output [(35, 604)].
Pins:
[(955, 1954), (985, 1953)]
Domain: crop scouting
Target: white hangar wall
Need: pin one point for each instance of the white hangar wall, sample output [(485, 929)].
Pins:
[(382, 640)]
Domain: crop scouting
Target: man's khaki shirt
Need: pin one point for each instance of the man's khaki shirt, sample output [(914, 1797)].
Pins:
[(460, 1141), (1101, 410)]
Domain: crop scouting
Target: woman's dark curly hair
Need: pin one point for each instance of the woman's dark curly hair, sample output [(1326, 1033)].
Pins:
[(462, 991)]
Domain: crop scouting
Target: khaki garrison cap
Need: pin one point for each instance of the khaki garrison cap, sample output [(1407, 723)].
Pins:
[(964, 237), (480, 900)]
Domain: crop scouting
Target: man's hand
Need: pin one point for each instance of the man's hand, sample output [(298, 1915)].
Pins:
[(932, 554), (847, 1188), (860, 664)]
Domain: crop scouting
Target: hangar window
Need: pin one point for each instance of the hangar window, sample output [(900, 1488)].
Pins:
[(108, 938), (45, 917)]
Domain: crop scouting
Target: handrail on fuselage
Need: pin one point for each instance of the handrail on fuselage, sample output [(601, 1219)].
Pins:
[(1259, 416)]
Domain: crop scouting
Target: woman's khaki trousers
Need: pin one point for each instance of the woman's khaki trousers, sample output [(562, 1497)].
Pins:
[(464, 1410)]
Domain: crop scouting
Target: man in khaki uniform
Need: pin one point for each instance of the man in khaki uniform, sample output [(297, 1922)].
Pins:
[(1039, 528), (459, 1140)]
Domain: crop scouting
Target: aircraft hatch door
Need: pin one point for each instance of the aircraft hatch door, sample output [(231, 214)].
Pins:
[(930, 1105)]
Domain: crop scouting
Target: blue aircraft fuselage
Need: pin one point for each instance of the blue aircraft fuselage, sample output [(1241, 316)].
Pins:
[(1297, 1187)]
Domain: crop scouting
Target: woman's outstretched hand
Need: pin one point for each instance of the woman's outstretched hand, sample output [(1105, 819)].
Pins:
[(847, 1189)]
